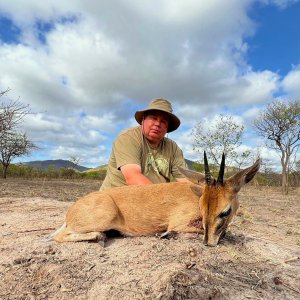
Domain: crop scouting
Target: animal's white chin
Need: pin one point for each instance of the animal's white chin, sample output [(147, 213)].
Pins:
[(214, 242)]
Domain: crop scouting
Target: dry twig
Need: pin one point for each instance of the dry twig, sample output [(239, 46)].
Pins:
[(292, 259), (32, 230), (278, 281)]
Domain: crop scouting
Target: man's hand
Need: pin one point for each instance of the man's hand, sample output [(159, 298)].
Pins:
[(133, 175)]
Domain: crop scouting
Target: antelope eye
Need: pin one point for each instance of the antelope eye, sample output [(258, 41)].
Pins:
[(225, 213)]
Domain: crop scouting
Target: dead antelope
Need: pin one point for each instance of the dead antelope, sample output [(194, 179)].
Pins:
[(204, 206)]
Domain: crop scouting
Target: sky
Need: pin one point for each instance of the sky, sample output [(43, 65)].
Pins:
[(85, 67)]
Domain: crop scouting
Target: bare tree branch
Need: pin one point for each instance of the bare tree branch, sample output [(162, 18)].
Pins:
[(12, 114), (223, 136), (279, 123), (12, 143)]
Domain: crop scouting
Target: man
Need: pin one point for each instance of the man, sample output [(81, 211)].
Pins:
[(143, 155)]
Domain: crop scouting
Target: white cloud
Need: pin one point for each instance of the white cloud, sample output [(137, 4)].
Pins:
[(255, 87), (251, 113), (291, 83), (27, 73), (280, 3), (106, 123), (89, 157), (24, 15), (40, 123), (184, 140), (100, 61), (66, 137), (96, 60)]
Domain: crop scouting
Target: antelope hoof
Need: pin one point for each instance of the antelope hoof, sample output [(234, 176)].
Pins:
[(168, 235), (101, 239), (222, 235)]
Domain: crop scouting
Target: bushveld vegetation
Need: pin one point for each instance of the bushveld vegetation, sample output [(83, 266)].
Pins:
[(278, 124), (52, 173), (265, 177)]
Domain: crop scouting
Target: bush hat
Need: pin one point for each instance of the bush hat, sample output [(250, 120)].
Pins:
[(161, 105)]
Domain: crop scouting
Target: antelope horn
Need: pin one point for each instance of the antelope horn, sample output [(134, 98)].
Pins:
[(207, 172), (220, 179)]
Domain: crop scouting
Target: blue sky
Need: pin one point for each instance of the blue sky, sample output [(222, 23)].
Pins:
[(85, 67), (275, 45)]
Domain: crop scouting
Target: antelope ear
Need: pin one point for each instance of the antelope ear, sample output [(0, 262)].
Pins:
[(244, 176), (192, 176)]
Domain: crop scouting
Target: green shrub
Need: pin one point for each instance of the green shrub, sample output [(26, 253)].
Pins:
[(94, 174), (67, 173), (51, 173)]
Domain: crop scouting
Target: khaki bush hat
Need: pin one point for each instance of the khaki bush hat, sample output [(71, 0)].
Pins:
[(162, 105)]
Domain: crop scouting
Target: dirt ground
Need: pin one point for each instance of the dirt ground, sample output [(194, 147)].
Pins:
[(259, 258)]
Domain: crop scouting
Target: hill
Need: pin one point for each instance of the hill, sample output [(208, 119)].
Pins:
[(57, 164), (190, 164), (60, 163), (102, 168)]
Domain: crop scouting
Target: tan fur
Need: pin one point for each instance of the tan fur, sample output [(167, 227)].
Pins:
[(152, 209), (214, 201)]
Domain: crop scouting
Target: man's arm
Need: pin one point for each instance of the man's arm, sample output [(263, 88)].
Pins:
[(133, 175)]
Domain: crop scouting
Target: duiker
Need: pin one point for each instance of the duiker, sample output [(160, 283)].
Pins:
[(204, 205)]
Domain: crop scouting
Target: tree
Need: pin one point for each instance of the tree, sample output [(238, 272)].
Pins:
[(11, 114), (296, 173), (279, 123), (243, 159), (270, 177), (12, 142), (223, 136), (12, 145), (297, 167), (75, 160)]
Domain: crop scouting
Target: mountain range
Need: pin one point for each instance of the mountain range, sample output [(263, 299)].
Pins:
[(61, 163), (57, 164)]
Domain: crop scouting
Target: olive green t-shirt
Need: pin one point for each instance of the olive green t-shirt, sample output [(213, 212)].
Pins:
[(131, 147)]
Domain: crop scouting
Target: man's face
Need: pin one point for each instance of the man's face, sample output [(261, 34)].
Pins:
[(155, 126)]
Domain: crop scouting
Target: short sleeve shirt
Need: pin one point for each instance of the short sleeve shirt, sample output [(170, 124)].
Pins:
[(130, 147)]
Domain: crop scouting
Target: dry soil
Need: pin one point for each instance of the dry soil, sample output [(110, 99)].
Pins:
[(257, 259)]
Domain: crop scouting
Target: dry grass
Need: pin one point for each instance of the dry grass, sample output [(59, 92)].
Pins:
[(62, 190)]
